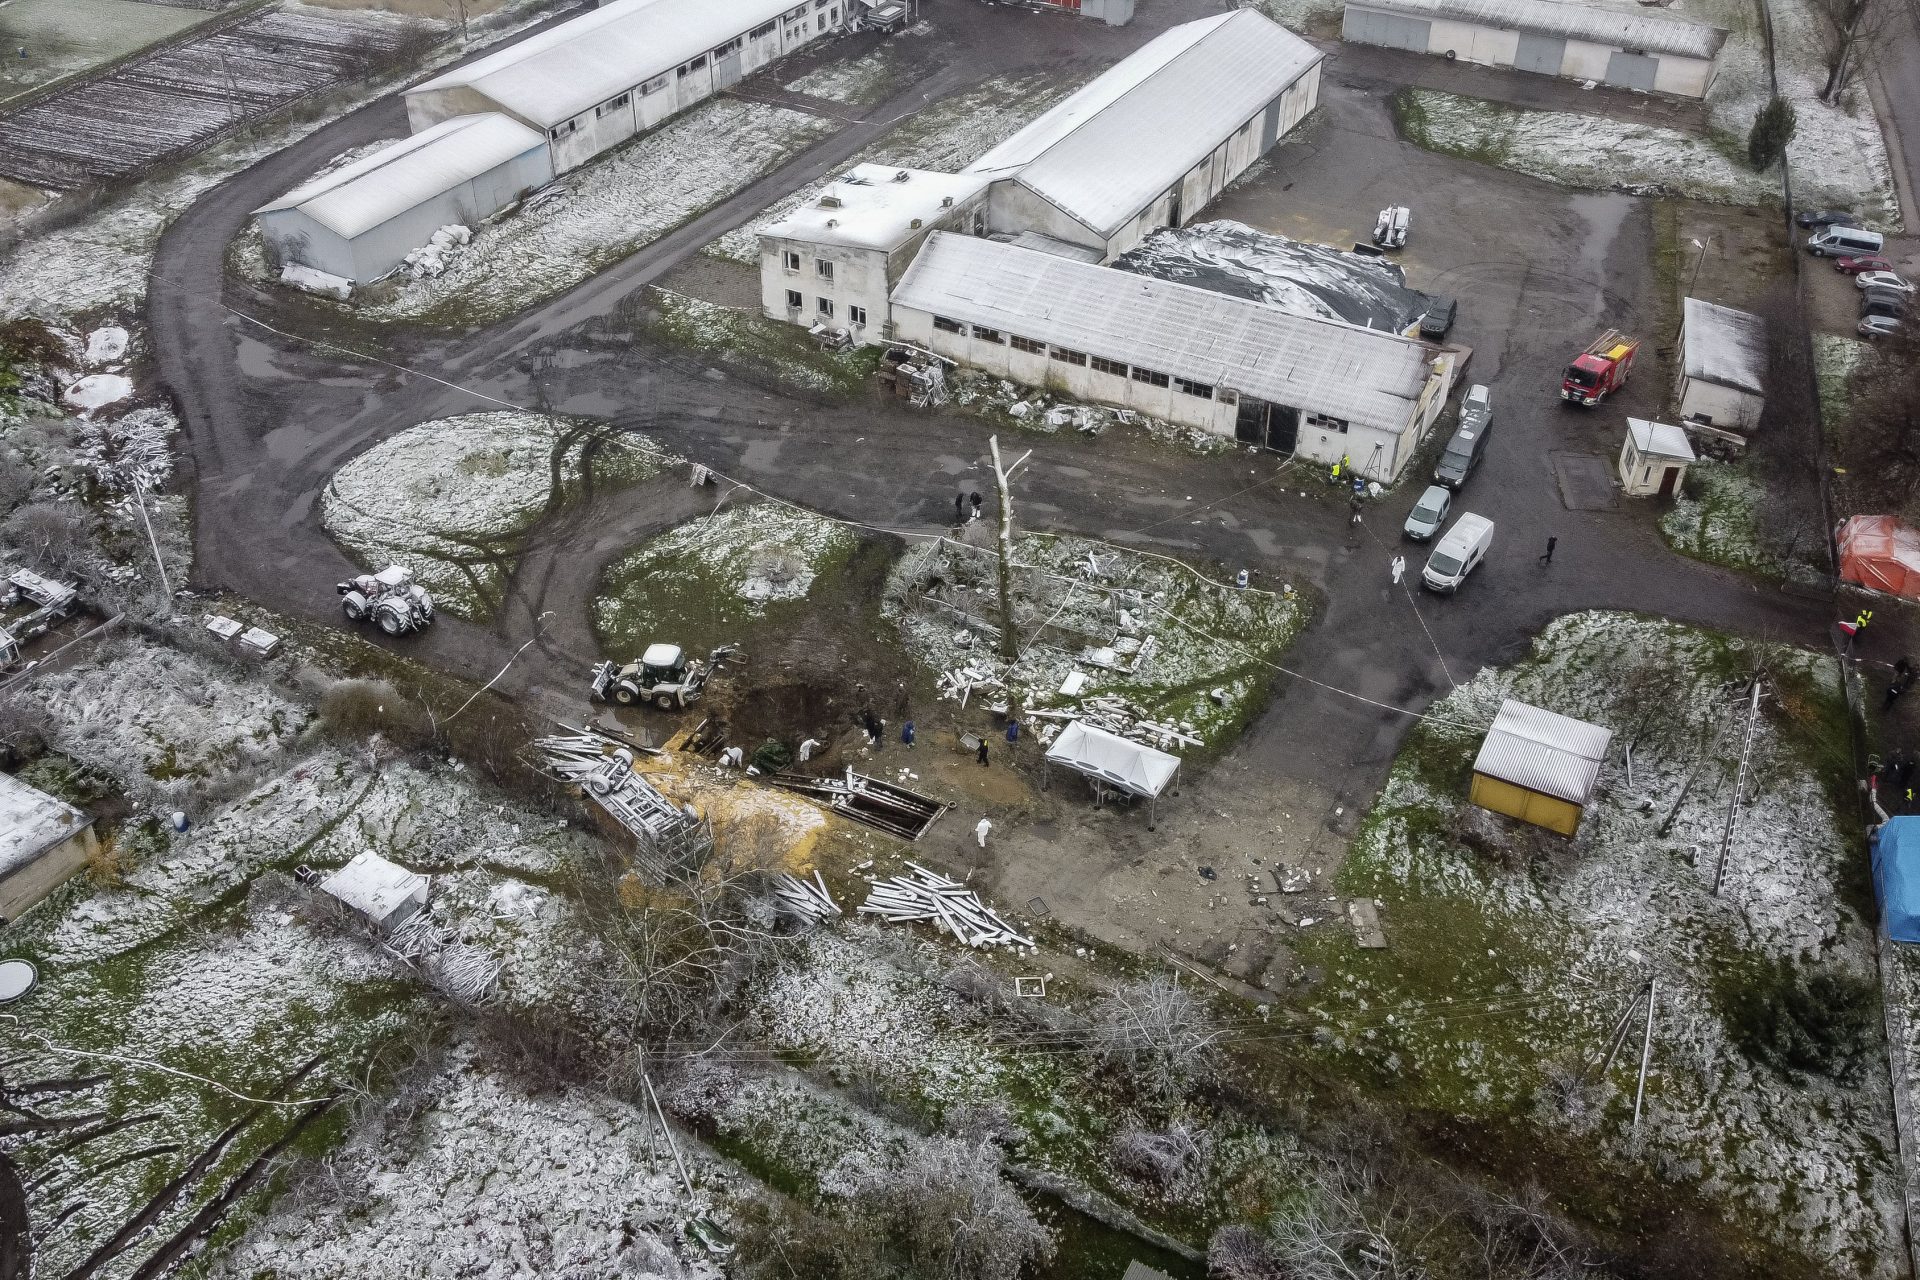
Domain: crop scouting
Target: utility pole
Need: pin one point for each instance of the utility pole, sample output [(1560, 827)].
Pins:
[(1646, 1052), (1009, 641), (1739, 785), (140, 497), (462, 4)]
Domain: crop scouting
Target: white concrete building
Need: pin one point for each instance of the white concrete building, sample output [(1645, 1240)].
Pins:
[(1723, 362), (1320, 389), (833, 263), (361, 220), (1654, 459), (386, 893), (1625, 48), (43, 842), (1154, 139), (592, 83)]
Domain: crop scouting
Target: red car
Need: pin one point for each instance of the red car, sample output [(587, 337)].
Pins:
[(1854, 266)]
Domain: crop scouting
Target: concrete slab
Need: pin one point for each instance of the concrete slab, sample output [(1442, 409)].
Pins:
[(1586, 482)]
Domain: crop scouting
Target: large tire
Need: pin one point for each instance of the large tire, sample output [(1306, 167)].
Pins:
[(390, 621), (665, 701), (354, 611), (1817, 252), (624, 695)]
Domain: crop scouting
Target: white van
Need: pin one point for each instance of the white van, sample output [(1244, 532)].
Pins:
[(1464, 546), (1843, 242)]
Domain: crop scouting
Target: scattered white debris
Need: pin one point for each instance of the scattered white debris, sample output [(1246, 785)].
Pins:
[(314, 280), (928, 895), (807, 899)]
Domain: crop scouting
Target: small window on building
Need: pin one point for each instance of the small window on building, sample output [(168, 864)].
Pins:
[(565, 129), (762, 31), (697, 64), (794, 299), (820, 23), (823, 305), (948, 326), (612, 105), (790, 260), (1325, 422), (856, 316), (727, 48), (798, 11), (653, 86), (985, 334), (1064, 356), (833, 14), (821, 4), (1103, 365), (1227, 397), (823, 268), (1028, 344), (1151, 378), (1201, 389)]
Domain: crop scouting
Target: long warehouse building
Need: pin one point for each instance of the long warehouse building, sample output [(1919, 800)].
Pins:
[(1315, 388)]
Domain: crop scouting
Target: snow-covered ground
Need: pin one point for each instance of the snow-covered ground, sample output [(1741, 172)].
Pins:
[(718, 571), (1717, 520), (452, 498), (1561, 932), (945, 137), (858, 82), (603, 212)]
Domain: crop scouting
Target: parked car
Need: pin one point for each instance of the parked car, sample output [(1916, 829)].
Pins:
[(1862, 262), (1458, 553), (1429, 513), (1826, 218), (1879, 327), (1883, 302), (1845, 242), (1438, 319), (1881, 280)]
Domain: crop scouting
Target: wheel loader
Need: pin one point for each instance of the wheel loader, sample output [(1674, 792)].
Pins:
[(664, 676)]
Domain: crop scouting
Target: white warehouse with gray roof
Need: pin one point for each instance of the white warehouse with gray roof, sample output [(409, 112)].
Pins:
[(1147, 144), (1317, 388), (1625, 48), (1723, 365)]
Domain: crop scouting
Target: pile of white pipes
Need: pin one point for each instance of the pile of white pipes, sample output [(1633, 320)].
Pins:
[(807, 899), (928, 895)]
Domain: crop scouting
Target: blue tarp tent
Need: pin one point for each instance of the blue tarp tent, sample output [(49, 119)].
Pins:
[(1896, 876)]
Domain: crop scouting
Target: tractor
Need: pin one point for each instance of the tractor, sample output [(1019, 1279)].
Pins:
[(391, 597), (664, 676)]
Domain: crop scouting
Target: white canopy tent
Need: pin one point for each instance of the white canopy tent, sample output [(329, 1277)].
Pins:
[(1110, 761)]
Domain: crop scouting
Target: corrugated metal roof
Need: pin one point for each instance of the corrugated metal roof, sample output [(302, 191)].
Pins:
[(1544, 751), (560, 72), (1106, 152), (1660, 440), (1724, 346), (1323, 366), (32, 822), (1616, 27), (358, 197)]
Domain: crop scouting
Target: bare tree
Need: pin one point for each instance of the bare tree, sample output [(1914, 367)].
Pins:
[(54, 534), (1852, 26), (1156, 1032), (1171, 1161)]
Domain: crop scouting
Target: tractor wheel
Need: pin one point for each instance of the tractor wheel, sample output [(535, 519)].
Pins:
[(624, 695), (665, 701), (355, 612), (390, 621)]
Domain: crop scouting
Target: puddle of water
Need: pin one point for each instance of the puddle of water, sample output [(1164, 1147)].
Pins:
[(1604, 215), (761, 455)]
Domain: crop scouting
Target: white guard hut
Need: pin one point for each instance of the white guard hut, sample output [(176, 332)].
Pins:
[(1113, 763), (43, 841), (384, 892), (1305, 385), (1539, 766), (593, 82), (1625, 48), (360, 221), (1723, 364), (1654, 459)]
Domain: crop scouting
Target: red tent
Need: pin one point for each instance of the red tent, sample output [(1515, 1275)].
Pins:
[(1881, 553)]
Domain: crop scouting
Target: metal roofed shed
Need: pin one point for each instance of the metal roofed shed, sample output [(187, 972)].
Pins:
[(1624, 48), (1153, 139), (43, 841), (1723, 365), (1304, 385), (384, 892), (1539, 766), (1113, 763), (360, 221), (1654, 459)]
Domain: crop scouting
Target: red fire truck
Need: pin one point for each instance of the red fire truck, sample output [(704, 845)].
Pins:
[(1600, 369)]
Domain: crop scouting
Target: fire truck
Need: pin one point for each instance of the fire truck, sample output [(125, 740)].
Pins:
[(1600, 369)]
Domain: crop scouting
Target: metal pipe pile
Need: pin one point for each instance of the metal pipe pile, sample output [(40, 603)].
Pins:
[(928, 895), (807, 899)]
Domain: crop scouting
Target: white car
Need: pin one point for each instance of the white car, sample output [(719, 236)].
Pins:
[(1879, 327), (1881, 280)]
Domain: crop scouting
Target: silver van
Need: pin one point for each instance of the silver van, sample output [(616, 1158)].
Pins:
[(1458, 553), (1841, 242)]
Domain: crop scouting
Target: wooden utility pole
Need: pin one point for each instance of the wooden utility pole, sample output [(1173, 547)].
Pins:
[(1009, 642)]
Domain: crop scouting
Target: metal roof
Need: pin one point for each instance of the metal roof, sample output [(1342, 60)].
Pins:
[(1543, 751), (1724, 346), (876, 206), (358, 197), (558, 73), (1119, 762), (32, 822), (1660, 440), (1619, 28), (381, 890), (1326, 366), (1110, 149)]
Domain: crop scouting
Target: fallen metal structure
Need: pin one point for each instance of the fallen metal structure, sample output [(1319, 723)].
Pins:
[(52, 600), (928, 895), (807, 899), (671, 841), (881, 805)]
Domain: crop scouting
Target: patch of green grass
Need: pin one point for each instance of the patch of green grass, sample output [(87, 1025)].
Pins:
[(1716, 518), (761, 348)]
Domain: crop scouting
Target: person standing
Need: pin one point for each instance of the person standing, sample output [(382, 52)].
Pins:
[(1399, 569), (871, 724), (983, 753), (974, 498), (959, 508), (906, 734), (1546, 557), (980, 830), (1013, 736)]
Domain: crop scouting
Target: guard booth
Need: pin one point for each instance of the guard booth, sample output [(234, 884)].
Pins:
[(1539, 766), (1654, 459)]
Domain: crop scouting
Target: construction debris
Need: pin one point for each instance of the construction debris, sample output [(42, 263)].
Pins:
[(807, 899), (882, 805), (53, 601), (672, 840), (928, 895)]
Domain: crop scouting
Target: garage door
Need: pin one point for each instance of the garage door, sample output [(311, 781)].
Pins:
[(1395, 32), (1543, 54), (1632, 70)]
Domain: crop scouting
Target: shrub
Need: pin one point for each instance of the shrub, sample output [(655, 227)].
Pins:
[(1773, 129), (772, 756), (1800, 1020), (1155, 1033)]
